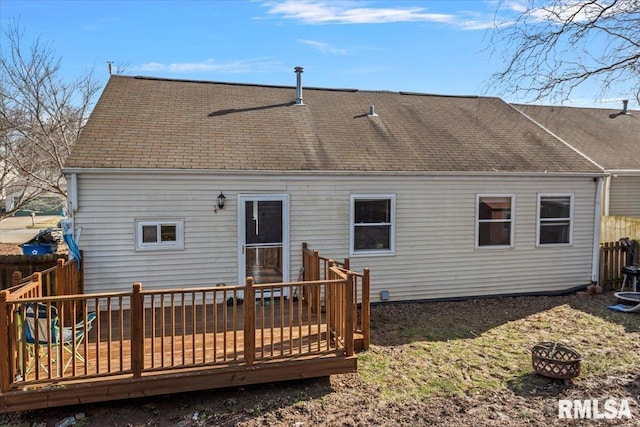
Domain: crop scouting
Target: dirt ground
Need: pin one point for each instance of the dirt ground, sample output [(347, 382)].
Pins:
[(349, 400)]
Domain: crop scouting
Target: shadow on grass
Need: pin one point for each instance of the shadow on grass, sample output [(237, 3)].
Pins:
[(402, 323), (535, 385), (597, 306)]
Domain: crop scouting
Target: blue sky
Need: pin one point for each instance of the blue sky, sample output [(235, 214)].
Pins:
[(423, 46)]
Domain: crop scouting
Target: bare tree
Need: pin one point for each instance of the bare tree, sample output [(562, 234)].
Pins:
[(554, 46), (41, 116)]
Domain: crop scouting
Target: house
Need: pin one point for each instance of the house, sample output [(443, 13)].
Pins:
[(608, 137), (177, 183)]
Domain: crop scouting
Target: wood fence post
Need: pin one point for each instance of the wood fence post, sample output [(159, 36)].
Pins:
[(137, 335), (37, 277), (61, 278), (5, 345), (16, 277), (331, 299), (366, 309), (305, 262), (249, 322), (349, 321), (315, 266)]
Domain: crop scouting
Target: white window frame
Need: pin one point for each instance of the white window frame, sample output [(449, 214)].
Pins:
[(392, 224), (511, 221), (539, 220), (160, 246)]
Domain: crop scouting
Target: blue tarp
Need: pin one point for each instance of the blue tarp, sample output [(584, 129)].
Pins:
[(67, 235), (624, 308)]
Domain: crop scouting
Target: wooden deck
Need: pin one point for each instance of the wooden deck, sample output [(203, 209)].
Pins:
[(146, 343)]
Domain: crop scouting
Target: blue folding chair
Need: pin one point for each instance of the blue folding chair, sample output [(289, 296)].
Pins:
[(43, 336)]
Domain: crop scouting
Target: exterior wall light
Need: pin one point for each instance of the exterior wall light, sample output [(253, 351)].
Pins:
[(221, 200)]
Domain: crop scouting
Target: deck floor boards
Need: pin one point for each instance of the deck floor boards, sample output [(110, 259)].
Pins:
[(279, 334)]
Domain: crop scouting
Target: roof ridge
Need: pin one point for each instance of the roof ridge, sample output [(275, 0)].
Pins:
[(180, 80), (329, 89)]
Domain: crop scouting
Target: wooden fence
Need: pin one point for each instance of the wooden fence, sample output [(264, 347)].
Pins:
[(614, 228), (613, 256), (26, 265), (64, 278)]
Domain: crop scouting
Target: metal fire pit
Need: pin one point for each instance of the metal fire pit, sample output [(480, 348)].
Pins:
[(555, 360)]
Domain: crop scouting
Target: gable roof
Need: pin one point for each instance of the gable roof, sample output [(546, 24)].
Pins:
[(142, 122), (607, 136)]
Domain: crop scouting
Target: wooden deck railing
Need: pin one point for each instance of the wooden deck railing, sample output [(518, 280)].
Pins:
[(65, 278), (316, 267), (149, 332)]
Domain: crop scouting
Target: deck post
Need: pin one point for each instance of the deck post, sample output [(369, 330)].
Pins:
[(37, 277), (315, 275), (331, 297), (16, 277), (61, 278), (349, 321), (5, 347), (366, 309), (249, 322), (137, 337)]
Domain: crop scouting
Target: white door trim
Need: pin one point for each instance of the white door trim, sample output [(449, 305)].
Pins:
[(242, 198)]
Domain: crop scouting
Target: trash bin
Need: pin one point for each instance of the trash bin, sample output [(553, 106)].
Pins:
[(45, 242), (39, 248)]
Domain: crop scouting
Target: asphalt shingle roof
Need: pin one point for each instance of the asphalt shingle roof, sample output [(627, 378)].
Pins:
[(142, 122), (606, 136)]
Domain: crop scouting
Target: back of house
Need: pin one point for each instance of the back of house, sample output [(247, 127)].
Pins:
[(440, 196)]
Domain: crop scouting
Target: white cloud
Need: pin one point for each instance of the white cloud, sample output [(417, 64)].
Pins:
[(323, 47), (352, 12), (208, 65)]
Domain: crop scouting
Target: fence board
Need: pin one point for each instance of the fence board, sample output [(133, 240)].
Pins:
[(614, 228), (613, 256), (25, 264)]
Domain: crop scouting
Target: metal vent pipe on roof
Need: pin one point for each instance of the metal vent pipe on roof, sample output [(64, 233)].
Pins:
[(372, 111), (299, 71), (625, 104)]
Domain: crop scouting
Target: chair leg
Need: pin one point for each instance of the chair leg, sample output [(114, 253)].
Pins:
[(33, 359), (72, 349), (624, 281)]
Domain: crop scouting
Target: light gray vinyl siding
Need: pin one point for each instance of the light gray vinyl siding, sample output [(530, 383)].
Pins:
[(435, 255), (624, 195)]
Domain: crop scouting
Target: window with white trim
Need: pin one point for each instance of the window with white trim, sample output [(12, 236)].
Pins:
[(494, 220), (555, 219), (372, 224), (162, 234)]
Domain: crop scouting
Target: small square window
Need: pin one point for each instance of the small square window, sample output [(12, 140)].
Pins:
[(160, 234)]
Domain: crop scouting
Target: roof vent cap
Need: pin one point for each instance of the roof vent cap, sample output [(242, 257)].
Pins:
[(299, 71), (372, 111)]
